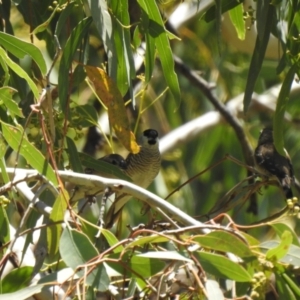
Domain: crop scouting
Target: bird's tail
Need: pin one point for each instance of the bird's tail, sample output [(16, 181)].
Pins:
[(286, 186)]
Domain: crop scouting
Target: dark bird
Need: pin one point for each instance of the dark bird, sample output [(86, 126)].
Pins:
[(272, 164), (142, 168)]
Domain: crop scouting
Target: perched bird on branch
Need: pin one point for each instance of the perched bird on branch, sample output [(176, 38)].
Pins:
[(273, 164), (142, 168)]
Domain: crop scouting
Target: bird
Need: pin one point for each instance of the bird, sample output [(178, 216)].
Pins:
[(142, 168), (272, 164), (80, 192)]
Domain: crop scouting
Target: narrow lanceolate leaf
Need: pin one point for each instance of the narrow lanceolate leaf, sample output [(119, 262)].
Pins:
[(223, 267), (14, 136), (259, 51), (225, 242), (157, 31), (57, 214), (126, 69), (108, 92), (21, 48), (68, 53), (19, 71), (12, 107), (102, 19), (282, 101), (236, 16)]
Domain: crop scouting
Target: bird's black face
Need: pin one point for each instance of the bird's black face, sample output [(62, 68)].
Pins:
[(151, 135)]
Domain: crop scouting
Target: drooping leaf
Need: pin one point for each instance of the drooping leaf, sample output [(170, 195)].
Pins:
[(157, 31), (283, 98), (21, 48), (236, 16), (67, 57), (14, 136), (108, 92), (74, 156), (281, 250), (125, 68), (57, 214), (13, 109), (19, 71), (103, 22), (267, 13)]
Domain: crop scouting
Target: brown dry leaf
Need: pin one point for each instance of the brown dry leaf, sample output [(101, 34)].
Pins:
[(108, 92)]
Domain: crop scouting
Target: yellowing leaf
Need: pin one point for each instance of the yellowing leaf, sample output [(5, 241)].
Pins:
[(109, 94)]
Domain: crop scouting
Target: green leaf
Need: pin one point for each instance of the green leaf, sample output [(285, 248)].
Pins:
[(236, 16), (259, 53), (282, 249), (4, 224), (157, 30), (293, 284), (150, 46), (222, 267), (142, 266), (73, 156), (281, 227), (61, 22), (68, 53), (57, 214), (13, 109), (283, 98), (23, 293), (76, 250), (21, 48), (112, 240), (212, 12), (126, 69), (84, 115), (103, 23), (14, 137), (225, 242), (292, 257), (20, 72), (283, 289), (42, 27), (22, 276)]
